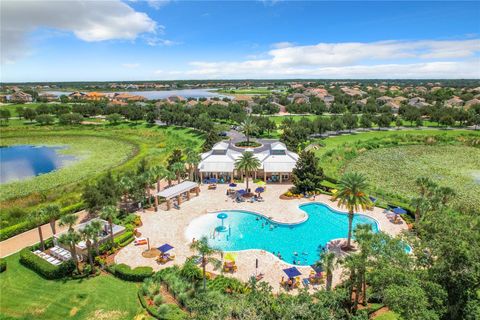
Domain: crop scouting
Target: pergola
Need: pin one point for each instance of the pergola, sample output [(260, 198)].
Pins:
[(177, 191)]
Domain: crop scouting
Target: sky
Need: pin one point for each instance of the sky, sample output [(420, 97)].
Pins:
[(114, 40)]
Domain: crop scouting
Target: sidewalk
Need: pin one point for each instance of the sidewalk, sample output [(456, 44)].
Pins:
[(30, 237)]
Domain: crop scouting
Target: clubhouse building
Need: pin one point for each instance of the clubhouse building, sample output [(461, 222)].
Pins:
[(276, 162)]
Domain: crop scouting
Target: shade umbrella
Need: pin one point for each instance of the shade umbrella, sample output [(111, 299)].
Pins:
[(317, 268), (232, 185), (292, 272), (211, 181), (259, 190), (399, 210), (372, 199), (164, 248), (261, 183), (230, 256)]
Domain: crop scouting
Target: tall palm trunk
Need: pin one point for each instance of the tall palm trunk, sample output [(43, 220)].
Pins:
[(204, 264), (110, 223), (90, 256), (158, 185), (95, 244), (350, 222), (417, 216), (364, 288), (329, 280), (73, 252), (40, 235), (52, 225), (178, 178), (246, 178), (358, 289)]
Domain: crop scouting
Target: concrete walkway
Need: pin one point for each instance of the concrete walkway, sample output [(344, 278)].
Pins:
[(30, 237)]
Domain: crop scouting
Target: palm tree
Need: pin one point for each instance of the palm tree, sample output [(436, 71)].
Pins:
[(425, 185), (248, 127), (178, 168), (247, 163), (51, 212), (96, 228), (352, 195), (205, 252), (109, 213), (126, 184), (445, 194), (87, 235), (159, 172), (38, 218), (70, 239), (68, 220), (421, 205), (327, 262), (192, 159)]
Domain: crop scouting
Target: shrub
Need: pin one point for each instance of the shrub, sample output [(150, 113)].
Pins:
[(164, 311), (3, 265), (124, 239), (45, 268), (124, 272)]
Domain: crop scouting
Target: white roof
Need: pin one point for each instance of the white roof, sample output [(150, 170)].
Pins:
[(278, 146), (177, 189), (220, 146)]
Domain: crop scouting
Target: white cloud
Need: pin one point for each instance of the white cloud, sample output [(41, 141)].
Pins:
[(130, 65), (281, 45), (87, 20), (386, 59), (157, 4), (155, 41)]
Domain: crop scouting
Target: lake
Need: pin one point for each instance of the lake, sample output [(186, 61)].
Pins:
[(24, 161), (161, 94)]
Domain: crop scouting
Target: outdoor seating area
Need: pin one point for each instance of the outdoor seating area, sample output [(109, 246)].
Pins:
[(229, 264), (48, 258), (178, 193), (62, 254), (164, 255), (394, 213)]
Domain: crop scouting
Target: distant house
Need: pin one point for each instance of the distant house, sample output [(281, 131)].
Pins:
[(384, 99), (454, 102), (48, 97), (76, 95), (328, 99), (298, 98), (95, 96), (21, 97), (471, 103), (417, 102), (126, 97), (394, 106), (176, 99)]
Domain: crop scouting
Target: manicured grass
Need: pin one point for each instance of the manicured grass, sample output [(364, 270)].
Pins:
[(279, 119), (396, 169), (26, 295), (246, 91), (390, 315)]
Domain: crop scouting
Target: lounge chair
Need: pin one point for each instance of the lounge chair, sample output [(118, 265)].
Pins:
[(140, 241), (229, 267), (306, 282)]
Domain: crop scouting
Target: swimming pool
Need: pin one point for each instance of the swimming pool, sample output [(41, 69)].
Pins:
[(248, 230)]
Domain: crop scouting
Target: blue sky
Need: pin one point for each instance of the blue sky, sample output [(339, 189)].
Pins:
[(155, 40)]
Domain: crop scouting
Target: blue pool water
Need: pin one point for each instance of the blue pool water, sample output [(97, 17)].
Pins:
[(23, 161), (248, 230)]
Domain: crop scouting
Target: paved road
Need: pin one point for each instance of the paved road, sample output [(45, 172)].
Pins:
[(30, 237)]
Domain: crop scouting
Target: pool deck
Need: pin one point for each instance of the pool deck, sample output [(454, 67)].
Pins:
[(169, 227)]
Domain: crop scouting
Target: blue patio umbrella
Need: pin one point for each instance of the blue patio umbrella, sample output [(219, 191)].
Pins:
[(241, 192), (292, 272), (166, 247), (373, 199), (211, 181), (232, 185), (259, 190), (399, 210)]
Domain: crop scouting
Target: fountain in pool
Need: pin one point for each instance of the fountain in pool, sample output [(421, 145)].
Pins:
[(222, 216)]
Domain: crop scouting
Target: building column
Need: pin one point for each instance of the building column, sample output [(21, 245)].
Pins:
[(280, 174), (201, 177), (156, 202), (264, 176), (169, 205), (188, 195), (179, 199), (197, 191), (255, 175)]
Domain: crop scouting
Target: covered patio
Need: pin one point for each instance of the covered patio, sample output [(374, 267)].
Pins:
[(177, 192)]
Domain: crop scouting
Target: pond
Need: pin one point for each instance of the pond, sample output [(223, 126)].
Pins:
[(21, 162), (162, 94)]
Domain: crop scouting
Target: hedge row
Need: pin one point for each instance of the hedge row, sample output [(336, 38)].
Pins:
[(124, 239), (29, 224), (45, 268), (3, 265), (124, 272)]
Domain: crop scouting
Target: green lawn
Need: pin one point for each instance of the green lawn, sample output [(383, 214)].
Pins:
[(390, 315), (26, 295), (246, 91)]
